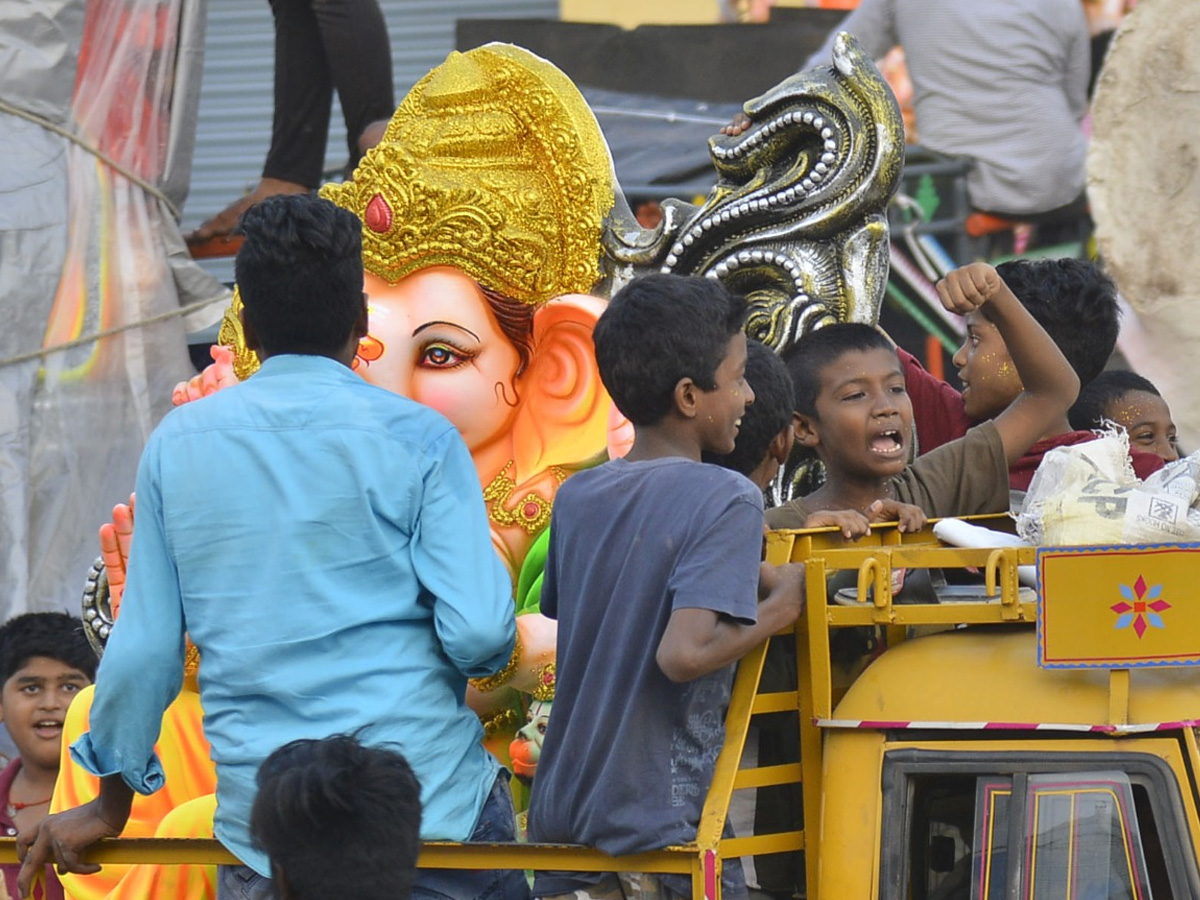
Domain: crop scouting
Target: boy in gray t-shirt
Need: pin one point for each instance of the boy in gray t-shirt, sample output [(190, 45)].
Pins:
[(653, 573)]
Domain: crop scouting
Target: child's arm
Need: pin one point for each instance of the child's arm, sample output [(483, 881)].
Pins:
[(1050, 384), (698, 641)]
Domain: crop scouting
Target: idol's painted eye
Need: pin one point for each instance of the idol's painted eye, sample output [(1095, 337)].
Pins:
[(444, 355)]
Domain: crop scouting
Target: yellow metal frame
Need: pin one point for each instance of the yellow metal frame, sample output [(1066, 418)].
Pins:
[(823, 551), (701, 859)]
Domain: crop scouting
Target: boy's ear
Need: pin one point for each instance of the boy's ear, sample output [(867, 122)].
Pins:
[(781, 445), (686, 394), (807, 433)]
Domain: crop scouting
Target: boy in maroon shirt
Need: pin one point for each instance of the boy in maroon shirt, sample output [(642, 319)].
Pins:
[(1076, 304)]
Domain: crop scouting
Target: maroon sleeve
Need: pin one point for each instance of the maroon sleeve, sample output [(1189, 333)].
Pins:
[(937, 407)]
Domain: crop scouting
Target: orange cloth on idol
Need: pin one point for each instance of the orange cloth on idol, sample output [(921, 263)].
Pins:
[(183, 807)]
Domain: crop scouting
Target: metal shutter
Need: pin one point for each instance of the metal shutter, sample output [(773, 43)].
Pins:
[(234, 121)]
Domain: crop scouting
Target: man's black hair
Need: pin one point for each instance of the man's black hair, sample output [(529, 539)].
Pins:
[(768, 415), (53, 635), (300, 274), (338, 819), (808, 358), (1090, 409), (659, 329), (1076, 304)]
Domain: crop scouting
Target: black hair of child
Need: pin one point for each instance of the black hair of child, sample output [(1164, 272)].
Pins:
[(1088, 413), (659, 329), (1076, 304), (338, 819), (763, 419), (300, 274), (53, 635), (808, 358)]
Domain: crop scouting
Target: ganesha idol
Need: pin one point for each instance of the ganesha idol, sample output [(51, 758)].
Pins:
[(493, 231)]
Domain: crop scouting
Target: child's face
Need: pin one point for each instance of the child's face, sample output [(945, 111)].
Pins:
[(1147, 418), (33, 704), (990, 380), (719, 411), (863, 425)]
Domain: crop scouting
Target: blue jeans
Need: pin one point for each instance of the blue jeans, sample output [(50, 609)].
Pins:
[(496, 825), (243, 883)]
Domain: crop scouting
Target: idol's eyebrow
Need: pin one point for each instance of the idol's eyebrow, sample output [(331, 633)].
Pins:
[(421, 328)]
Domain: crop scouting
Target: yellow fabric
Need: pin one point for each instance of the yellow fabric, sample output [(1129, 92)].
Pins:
[(182, 807)]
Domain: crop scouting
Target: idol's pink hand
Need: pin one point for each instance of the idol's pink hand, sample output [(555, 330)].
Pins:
[(214, 377), (115, 538)]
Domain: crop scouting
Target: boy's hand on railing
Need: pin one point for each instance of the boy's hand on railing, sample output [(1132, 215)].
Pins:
[(781, 590), (61, 839), (852, 523), (967, 289), (911, 518)]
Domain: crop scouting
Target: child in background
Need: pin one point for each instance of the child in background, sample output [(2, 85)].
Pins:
[(654, 575), (338, 819), (1134, 403), (1075, 303), (855, 413), (45, 660), (766, 434)]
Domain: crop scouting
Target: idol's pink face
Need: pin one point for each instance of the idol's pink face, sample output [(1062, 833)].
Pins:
[(433, 337)]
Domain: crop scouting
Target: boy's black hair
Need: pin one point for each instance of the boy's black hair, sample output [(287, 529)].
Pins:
[(53, 635), (1076, 304), (300, 273), (338, 819), (659, 329), (808, 358), (768, 415), (1089, 411)]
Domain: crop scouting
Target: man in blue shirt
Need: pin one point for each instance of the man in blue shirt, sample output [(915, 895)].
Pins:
[(324, 544)]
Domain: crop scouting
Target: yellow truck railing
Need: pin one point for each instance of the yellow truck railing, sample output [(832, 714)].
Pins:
[(701, 859), (824, 552)]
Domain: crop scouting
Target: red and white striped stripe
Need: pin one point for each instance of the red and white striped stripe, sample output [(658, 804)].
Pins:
[(919, 725)]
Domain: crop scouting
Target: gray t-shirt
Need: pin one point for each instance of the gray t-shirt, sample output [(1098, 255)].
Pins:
[(628, 755), (1001, 81)]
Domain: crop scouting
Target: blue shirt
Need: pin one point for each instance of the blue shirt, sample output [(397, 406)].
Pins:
[(324, 543)]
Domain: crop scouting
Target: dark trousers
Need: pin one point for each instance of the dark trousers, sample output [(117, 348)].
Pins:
[(322, 46)]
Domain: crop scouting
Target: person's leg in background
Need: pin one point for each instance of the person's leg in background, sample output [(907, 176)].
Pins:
[(303, 96), (358, 58), (320, 45)]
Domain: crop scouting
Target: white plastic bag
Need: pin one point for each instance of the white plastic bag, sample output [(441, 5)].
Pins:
[(1088, 494)]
